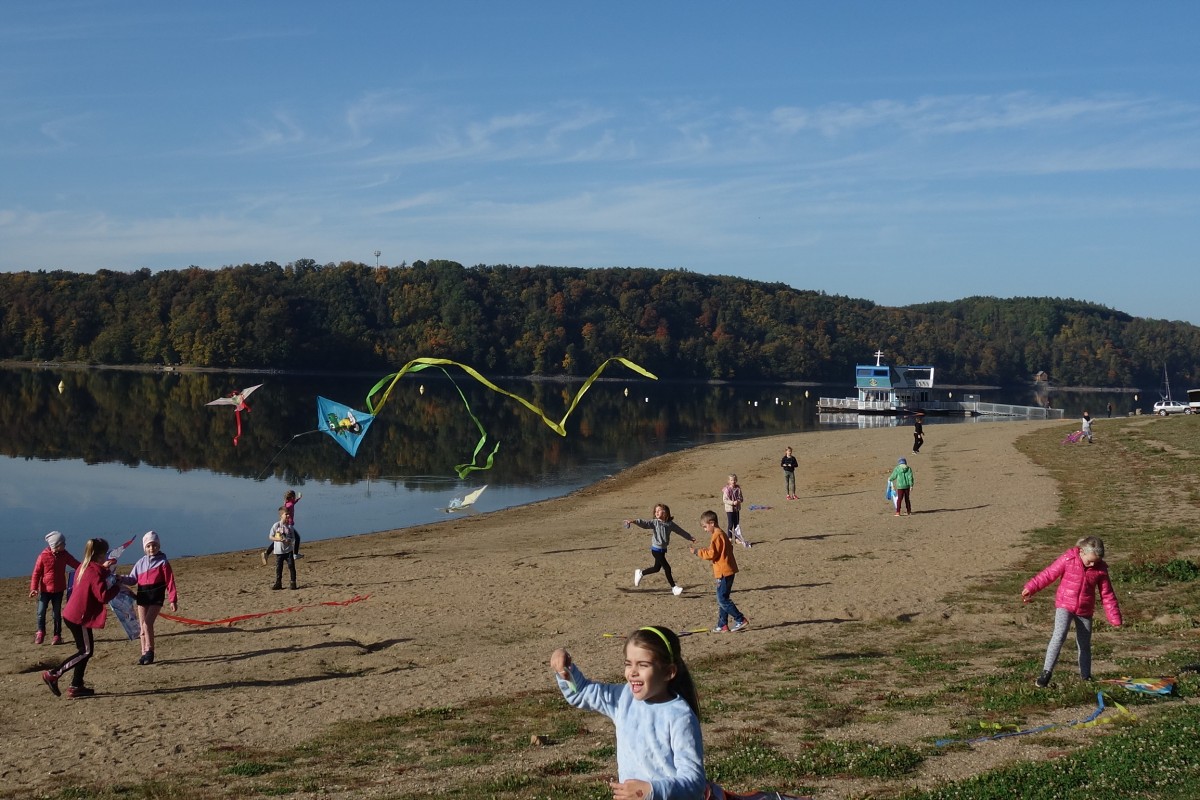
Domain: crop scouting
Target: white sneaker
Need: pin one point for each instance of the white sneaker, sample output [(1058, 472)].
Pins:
[(637, 577), (677, 590)]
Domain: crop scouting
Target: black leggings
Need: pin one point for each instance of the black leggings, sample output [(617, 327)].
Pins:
[(660, 562), (86, 645)]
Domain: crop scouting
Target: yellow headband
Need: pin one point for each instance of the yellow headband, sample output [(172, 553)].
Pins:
[(662, 636)]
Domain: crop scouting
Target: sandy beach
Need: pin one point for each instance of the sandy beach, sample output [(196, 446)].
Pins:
[(473, 606)]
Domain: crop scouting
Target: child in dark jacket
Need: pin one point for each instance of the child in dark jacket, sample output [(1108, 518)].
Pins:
[(49, 582), (1083, 572)]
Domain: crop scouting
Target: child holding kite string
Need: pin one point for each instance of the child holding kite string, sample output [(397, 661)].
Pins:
[(663, 526), (656, 713), (290, 499), (49, 582), (660, 752), (1083, 572), (282, 538), (85, 610), (155, 582)]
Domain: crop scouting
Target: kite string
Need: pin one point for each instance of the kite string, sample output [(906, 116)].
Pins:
[(280, 450), (230, 620)]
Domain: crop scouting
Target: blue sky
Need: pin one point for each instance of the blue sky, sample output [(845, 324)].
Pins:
[(896, 151)]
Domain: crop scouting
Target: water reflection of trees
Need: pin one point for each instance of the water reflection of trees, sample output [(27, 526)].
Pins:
[(160, 419)]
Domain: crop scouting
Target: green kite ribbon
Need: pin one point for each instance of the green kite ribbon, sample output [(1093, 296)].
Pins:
[(418, 364)]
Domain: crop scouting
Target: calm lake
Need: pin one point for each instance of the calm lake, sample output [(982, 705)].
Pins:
[(115, 453)]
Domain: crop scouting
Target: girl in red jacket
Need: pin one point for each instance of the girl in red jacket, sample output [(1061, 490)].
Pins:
[(48, 583), (85, 610), (1083, 571)]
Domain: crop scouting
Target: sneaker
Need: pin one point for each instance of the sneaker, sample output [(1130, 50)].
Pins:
[(39, 637), (57, 640), (276, 586), (897, 513), (1043, 680), (294, 587), (298, 555), (51, 682), (677, 590), (147, 658), (737, 626), (637, 577), (79, 691), (721, 629)]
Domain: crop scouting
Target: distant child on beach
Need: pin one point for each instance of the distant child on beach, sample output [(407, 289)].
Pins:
[(290, 499), (155, 582), (663, 526), (724, 567), (85, 610), (731, 496), (1083, 571), (281, 542), (660, 750), (1086, 424), (903, 481), (49, 582), (789, 464)]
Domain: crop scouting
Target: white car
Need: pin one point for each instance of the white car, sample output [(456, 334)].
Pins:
[(1165, 407)]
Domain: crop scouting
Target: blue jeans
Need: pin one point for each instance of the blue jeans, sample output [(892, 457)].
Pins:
[(53, 600), (725, 606)]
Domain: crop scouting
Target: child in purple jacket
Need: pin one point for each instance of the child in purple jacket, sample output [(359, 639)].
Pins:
[(1083, 571)]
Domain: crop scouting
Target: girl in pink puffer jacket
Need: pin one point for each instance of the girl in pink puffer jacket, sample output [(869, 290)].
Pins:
[(1083, 571)]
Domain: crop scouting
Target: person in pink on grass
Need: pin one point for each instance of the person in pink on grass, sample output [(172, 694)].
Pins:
[(1083, 573), (155, 582), (49, 582), (85, 611)]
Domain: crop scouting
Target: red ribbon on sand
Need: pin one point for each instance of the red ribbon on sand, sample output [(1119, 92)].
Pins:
[(230, 620)]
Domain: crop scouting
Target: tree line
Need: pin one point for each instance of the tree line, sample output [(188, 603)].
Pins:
[(512, 320)]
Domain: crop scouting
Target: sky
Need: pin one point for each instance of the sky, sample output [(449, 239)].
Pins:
[(901, 152)]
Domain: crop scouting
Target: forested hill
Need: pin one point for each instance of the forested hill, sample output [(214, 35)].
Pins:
[(508, 320)]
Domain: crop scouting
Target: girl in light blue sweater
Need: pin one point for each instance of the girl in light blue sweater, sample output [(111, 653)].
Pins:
[(660, 753)]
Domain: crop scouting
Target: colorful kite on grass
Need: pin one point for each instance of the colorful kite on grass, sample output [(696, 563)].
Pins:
[(238, 401), (1123, 715), (344, 424), (1159, 685), (378, 396)]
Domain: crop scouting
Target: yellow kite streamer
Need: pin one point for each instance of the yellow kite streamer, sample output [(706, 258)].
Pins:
[(378, 397)]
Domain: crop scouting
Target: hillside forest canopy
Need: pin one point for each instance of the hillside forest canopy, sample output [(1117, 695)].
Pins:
[(554, 321)]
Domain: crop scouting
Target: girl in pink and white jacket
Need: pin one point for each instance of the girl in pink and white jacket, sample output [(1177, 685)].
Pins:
[(1083, 571), (155, 582)]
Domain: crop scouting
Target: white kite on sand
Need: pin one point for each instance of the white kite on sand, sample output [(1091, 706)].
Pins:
[(460, 504)]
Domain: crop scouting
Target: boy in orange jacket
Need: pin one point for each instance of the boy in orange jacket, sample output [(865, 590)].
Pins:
[(724, 569)]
